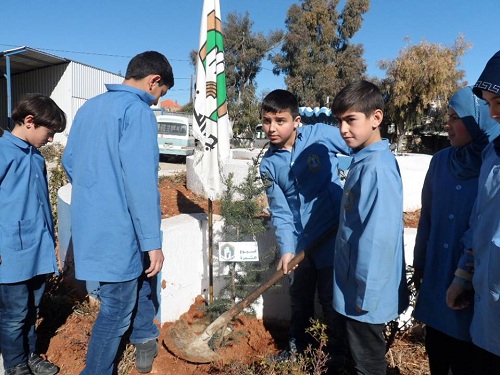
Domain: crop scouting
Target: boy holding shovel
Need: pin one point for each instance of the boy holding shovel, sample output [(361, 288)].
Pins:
[(300, 175)]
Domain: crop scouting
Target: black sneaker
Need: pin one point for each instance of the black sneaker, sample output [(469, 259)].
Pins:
[(21, 369), (40, 366), (145, 353)]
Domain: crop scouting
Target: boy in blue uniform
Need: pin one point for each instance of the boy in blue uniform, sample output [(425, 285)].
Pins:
[(112, 162), (27, 242), (300, 174), (450, 183), (369, 269), (483, 241)]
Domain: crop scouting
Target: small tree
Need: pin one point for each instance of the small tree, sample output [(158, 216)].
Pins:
[(243, 221)]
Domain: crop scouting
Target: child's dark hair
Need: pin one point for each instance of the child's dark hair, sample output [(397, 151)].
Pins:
[(150, 62), (360, 96), (280, 101), (44, 110)]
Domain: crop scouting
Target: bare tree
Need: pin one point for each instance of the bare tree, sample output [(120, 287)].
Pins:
[(420, 79)]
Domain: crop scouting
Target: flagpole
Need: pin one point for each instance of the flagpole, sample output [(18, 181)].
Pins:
[(210, 252), (211, 125)]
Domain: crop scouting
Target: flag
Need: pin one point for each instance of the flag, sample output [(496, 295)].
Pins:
[(211, 124)]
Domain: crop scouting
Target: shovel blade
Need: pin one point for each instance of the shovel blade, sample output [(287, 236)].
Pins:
[(184, 343)]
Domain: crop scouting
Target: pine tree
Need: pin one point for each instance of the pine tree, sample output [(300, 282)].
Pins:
[(317, 56)]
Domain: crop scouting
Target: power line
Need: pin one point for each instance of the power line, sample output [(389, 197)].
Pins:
[(87, 53)]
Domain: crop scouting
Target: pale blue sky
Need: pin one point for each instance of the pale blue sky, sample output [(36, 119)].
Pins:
[(107, 33)]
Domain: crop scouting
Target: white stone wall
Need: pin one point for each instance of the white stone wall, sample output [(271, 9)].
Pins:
[(185, 271)]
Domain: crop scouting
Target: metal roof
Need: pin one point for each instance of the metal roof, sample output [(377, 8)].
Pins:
[(25, 59)]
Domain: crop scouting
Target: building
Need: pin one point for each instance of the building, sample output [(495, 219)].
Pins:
[(169, 105), (68, 83)]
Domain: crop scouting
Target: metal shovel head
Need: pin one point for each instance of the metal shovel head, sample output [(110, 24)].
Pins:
[(184, 343)]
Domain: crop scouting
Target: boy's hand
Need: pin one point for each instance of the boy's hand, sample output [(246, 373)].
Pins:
[(458, 298), (156, 259), (283, 263)]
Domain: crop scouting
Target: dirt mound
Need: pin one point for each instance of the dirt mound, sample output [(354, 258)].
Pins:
[(249, 341)]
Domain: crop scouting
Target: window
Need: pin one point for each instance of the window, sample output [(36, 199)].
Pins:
[(170, 128)]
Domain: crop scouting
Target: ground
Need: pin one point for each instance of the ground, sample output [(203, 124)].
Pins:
[(67, 318)]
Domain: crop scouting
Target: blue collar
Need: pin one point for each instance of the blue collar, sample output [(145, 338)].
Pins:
[(143, 95), (381, 145), (15, 140)]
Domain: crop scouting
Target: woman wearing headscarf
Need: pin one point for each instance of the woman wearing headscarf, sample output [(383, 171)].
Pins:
[(448, 194)]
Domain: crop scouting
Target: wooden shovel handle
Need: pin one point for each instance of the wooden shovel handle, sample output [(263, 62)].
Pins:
[(226, 317)]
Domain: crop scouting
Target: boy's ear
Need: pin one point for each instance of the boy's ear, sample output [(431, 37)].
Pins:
[(377, 118), (28, 121), (296, 122), (152, 80)]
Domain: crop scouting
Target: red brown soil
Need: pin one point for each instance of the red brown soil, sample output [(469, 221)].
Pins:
[(176, 198), (65, 340), (411, 219)]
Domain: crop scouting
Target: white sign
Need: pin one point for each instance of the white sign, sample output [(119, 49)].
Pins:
[(238, 251)]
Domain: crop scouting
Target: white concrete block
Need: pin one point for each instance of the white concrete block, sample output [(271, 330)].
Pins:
[(64, 223), (238, 167), (409, 242), (413, 169), (182, 275)]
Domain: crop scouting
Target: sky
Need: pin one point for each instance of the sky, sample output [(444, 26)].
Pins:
[(107, 33)]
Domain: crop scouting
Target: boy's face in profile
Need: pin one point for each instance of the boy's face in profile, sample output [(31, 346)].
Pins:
[(493, 101), (280, 128), (358, 130), (40, 136), (37, 136)]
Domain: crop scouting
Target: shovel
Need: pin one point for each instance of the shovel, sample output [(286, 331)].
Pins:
[(184, 343)]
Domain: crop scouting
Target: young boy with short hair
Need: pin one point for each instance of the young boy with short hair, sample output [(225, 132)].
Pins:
[(300, 174), (27, 242), (111, 159), (369, 268)]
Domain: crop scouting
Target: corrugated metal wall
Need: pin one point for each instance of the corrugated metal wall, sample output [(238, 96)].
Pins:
[(69, 85), (88, 82), (43, 81)]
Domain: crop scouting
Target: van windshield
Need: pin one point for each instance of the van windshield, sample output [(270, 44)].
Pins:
[(170, 128)]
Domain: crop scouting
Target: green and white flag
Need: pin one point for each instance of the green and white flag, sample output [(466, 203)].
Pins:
[(211, 124)]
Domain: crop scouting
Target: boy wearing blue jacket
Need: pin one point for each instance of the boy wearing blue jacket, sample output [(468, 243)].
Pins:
[(480, 262), (112, 162), (370, 286), (300, 174), (27, 242)]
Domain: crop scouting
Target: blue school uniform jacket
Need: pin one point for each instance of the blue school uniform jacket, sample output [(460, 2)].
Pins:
[(112, 160), (369, 266), (484, 240), (446, 206), (304, 189), (26, 226)]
